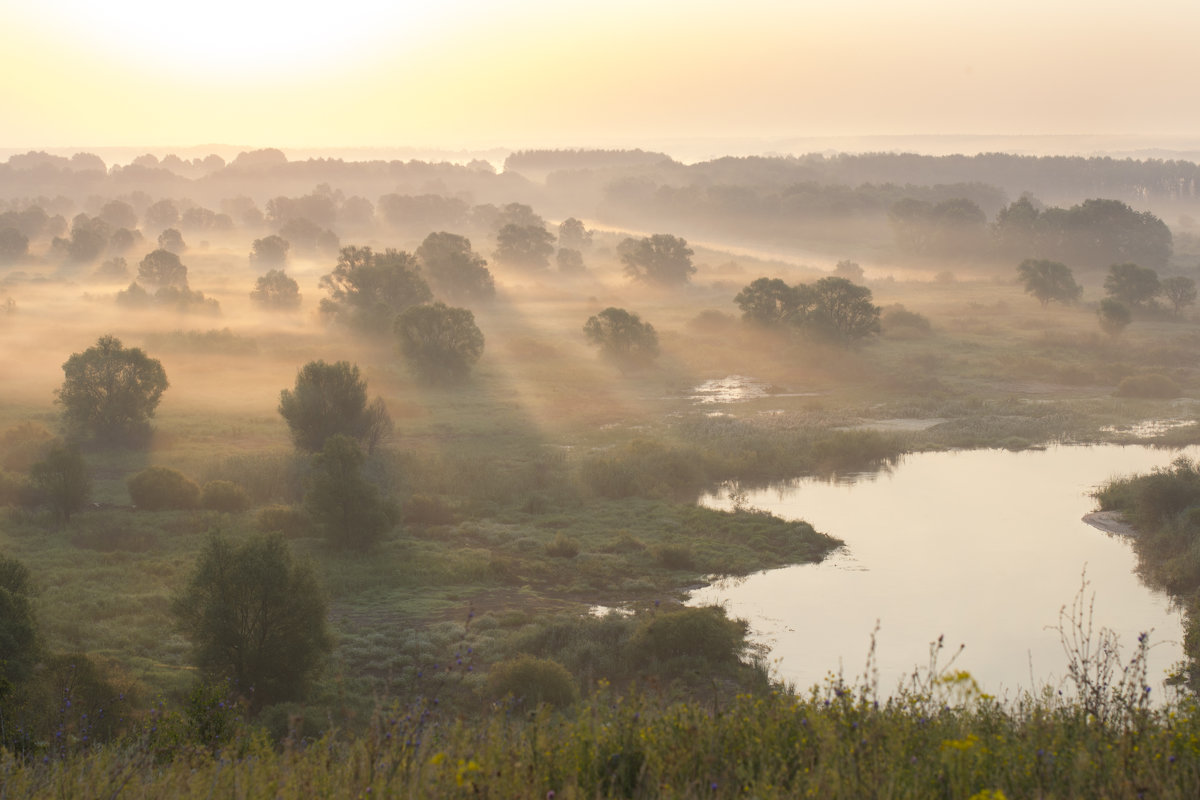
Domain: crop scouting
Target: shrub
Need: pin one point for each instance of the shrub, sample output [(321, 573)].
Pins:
[(224, 496), (163, 489), (1152, 386), (898, 321), (674, 556), (699, 633), (291, 521), (562, 546), (533, 681)]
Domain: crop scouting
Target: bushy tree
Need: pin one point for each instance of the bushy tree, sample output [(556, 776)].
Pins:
[(524, 246), (1049, 281), (569, 261), (270, 251), (62, 480), (622, 336), (1114, 316), (368, 289), (1180, 292), (163, 489), (172, 240), (1132, 284), (111, 392), (769, 302), (331, 399), (162, 268), (342, 503), (659, 259), (572, 235), (18, 629), (440, 343), (454, 269), (840, 310), (13, 245), (276, 291), (161, 214), (256, 618)]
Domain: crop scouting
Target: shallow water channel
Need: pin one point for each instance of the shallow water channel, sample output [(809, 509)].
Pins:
[(982, 546)]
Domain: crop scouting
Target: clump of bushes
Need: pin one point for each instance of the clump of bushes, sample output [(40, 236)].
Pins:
[(705, 634), (562, 546), (1152, 386), (532, 681), (224, 496), (163, 489)]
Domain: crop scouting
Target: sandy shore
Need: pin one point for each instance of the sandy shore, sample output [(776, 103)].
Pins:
[(1110, 522)]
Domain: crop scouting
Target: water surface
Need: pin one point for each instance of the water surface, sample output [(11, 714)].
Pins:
[(984, 547)]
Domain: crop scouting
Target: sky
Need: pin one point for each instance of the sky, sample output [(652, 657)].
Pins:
[(525, 73)]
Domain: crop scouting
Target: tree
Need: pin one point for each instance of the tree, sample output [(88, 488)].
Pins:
[(524, 246), (330, 399), (256, 618), (172, 240), (270, 251), (1131, 284), (440, 343), (1049, 281), (660, 259), (454, 269), (1114, 316), (62, 480), (769, 302), (570, 262), (162, 268), (162, 214), (368, 289), (622, 337), (572, 235), (275, 291), (13, 245), (1180, 292), (111, 392), (18, 629), (345, 506), (850, 270), (119, 214), (841, 310)]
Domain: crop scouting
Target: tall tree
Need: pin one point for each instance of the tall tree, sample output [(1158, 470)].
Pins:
[(1180, 292), (454, 269), (1049, 281), (330, 399), (1132, 284), (659, 259), (368, 289), (62, 480), (440, 343), (111, 392), (345, 506), (622, 337)]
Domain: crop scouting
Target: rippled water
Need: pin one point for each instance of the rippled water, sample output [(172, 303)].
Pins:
[(984, 547)]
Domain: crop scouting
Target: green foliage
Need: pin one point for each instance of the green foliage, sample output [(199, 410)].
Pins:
[(110, 392), (645, 468), (368, 289), (1152, 385), (328, 400), (1049, 281), (224, 496), (345, 506), (62, 480), (623, 337), (769, 302), (661, 259), (276, 291), (439, 343), (562, 546), (162, 489), (255, 618), (702, 634), (840, 311), (532, 681), (1114, 316), (19, 645), (1131, 284), (454, 269), (23, 445)]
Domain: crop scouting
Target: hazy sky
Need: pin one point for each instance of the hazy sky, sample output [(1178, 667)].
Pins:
[(556, 72)]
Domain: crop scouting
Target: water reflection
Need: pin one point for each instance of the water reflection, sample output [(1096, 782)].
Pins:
[(984, 547)]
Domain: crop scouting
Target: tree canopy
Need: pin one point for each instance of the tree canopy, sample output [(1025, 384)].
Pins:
[(255, 617), (454, 269), (111, 392), (276, 291), (1180, 292), (769, 302), (440, 343), (331, 399), (163, 268), (525, 246), (345, 506), (1049, 281), (1132, 284), (841, 310), (659, 259), (622, 337), (368, 289), (62, 480), (1114, 316)]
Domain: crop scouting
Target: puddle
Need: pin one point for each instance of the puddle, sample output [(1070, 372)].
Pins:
[(1148, 429)]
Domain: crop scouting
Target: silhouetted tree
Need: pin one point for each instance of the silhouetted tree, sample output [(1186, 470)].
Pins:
[(256, 618), (343, 504), (330, 399), (454, 269), (13, 245), (622, 337), (172, 240), (1180, 292), (160, 215), (62, 480), (119, 214), (841, 310), (659, 259), (162, 268), (1131, 284), (276, 291), (1114, 316), (570, 262), (439, 343), (524, 246), (1049, 281), (269, 251), (19, 648), (849, 270), (111, 392), (572, 235), (769, 302), (367, 289)]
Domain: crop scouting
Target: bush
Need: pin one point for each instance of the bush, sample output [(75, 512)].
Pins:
[(224, 496), (533, 681), (699, 633), (1153, 386), (674, 556), (562, 546), (163, 489), (291, 521)]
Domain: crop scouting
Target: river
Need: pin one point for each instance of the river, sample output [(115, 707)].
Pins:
[(984, 547)]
